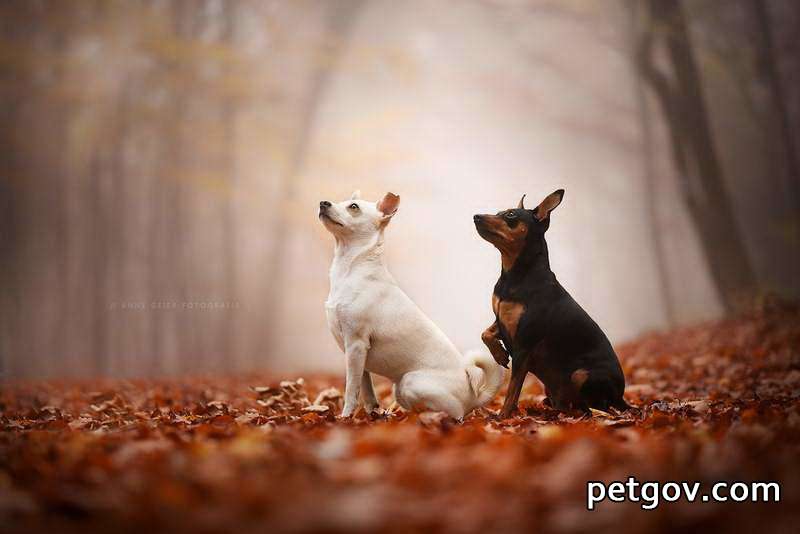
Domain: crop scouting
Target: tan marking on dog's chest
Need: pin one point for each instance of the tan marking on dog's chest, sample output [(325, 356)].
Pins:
[(511, 250), (509, 314), (495, 303), (509, 241)]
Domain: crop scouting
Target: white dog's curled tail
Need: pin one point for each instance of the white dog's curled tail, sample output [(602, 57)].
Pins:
[(485, 375)]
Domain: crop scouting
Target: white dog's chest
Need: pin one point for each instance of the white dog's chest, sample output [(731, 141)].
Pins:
[(334, 323)]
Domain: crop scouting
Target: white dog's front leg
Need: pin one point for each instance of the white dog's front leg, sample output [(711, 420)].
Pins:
[(368, 397), (356, 355)]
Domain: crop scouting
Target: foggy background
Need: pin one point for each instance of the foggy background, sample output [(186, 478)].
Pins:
[(161, 164)]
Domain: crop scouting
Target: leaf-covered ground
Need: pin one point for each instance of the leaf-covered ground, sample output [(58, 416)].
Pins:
[(253, 454)]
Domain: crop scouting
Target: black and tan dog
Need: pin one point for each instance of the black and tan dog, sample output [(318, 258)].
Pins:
[(545, 331)]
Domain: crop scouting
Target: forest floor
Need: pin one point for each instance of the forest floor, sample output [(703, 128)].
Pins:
[(715, 402)]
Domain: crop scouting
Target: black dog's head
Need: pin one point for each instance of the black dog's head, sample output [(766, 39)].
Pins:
[(516, 230)]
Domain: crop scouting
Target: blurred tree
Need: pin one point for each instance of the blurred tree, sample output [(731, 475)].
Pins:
[(650, 175), (683, 106), (11, 208), (340, 20), (773, 76), (229, 170)]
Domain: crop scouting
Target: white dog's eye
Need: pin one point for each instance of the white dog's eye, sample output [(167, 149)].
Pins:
[(353, 206)]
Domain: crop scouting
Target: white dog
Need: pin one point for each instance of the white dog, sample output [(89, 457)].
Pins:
[(382, 331)]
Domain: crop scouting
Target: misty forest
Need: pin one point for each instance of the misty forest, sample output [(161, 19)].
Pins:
[(165, 360)]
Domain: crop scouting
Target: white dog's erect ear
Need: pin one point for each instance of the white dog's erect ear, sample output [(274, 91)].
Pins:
[(549, 203), (356, 195), (388, 204)]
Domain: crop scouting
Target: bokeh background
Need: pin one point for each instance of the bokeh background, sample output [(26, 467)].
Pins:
[(161, 163)]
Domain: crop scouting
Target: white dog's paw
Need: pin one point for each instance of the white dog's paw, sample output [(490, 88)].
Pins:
[(373, 409), (441, 420), (395, 407)]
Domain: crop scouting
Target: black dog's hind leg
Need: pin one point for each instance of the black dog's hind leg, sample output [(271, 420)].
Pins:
[(620, 404), (599, 392)]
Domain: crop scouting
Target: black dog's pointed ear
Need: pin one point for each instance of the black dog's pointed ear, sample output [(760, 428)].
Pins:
[(521, 205), (547, 205)]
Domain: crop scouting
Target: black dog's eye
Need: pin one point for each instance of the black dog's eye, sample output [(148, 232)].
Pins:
[(353, 206), (511, 215)]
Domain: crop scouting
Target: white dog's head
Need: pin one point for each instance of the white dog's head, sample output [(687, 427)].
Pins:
[(356, 219)]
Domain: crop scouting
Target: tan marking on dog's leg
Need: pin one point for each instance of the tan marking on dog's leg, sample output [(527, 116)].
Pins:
[(491, 338), (578, 378), (509, 316)]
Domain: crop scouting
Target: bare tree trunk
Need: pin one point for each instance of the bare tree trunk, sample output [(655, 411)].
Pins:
[(229, 235), (695, 156), (61, 192), (340, 22), (175, 336), (650, 177), (11, 201), (773, 77), (111, 200), (98, 207), (20, 198), (95, 252)]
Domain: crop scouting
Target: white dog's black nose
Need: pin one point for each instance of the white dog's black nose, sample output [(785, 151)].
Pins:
[(324, 204)]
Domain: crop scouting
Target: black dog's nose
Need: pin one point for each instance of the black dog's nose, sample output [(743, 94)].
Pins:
[(477, 218), (324, 204)]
